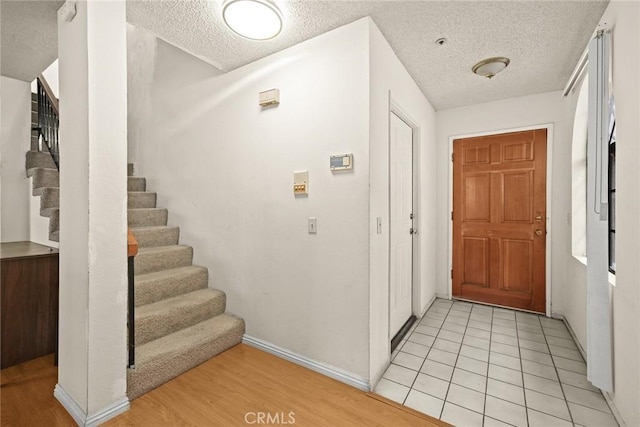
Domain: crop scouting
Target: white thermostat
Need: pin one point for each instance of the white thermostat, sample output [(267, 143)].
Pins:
[(339, 162)]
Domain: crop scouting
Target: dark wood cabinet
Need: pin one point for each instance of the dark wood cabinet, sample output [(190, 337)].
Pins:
[(29, 301)]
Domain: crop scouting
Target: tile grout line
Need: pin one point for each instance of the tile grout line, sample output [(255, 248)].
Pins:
[(486, 385), (555, 368), (456, 362), (427, 355), (524, 390), (419, 371)]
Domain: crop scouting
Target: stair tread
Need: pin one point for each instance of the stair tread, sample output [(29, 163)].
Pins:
[(163, 284), (172, 314), (177, 302), (184, 339), (152, 227), (165, 358), (162, 249), (159, 258), (178, 271)]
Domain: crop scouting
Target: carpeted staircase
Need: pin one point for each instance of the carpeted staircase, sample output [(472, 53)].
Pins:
[(179, 321), (46, 184)]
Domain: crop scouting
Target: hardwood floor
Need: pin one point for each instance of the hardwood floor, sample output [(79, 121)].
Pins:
[(26, 395), (232, 389)]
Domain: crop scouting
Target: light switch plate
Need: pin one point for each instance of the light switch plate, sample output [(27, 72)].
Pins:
[(313, 225)]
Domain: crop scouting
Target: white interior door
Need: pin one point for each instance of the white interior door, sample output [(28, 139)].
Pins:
[(401, 223)]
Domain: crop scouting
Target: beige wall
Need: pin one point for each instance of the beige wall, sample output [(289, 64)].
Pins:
[(568, 275), (15, 116), (623, 17)]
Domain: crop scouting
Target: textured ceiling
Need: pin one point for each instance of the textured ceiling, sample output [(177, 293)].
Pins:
[(28, 37), (543, 39)]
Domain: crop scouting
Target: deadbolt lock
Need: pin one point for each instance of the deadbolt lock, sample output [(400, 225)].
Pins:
[(538, 217)]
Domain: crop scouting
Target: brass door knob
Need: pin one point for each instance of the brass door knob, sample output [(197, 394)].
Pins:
[(538, 232)]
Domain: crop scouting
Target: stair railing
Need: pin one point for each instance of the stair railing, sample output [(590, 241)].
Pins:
[(48, 120), (132, 251)]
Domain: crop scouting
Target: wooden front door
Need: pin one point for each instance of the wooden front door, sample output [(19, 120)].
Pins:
[(499, 219)]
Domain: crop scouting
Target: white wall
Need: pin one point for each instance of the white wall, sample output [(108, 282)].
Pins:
[(388, 77), (51, 76), (15, 117), (568, 273), (623, 18), (224, 168), (93, 215), (38, 224), (533, 110)]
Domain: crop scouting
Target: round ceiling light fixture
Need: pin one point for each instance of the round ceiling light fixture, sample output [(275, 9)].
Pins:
[(491, 66), (252, 19)]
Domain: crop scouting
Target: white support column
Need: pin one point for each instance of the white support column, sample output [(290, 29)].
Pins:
[(93, 216)]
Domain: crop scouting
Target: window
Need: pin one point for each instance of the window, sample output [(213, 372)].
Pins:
[(579, 175), (612, 195)]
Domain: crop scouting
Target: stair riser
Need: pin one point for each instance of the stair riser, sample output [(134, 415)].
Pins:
[(147, 218), (54, 221), (136, 184), (158, 371), (150, 291), (50, 198), (154, 237), (36, 159), (137, 200), (34, 141), (157, 261), (43, 178), (154, 327)]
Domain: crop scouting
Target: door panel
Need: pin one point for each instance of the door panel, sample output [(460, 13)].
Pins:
[(476, 197), (499, 219), (517, 188), (476, 270), (401, 222), (516, 267)]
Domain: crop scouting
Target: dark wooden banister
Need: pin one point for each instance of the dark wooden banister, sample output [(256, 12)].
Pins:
[(55, 103), (132, 251), (48, 120)]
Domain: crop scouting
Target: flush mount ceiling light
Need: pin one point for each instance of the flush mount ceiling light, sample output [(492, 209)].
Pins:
[(252, 19), (491, 66)]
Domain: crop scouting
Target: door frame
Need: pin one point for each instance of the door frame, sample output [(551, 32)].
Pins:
[(396, 108), (548, 259)]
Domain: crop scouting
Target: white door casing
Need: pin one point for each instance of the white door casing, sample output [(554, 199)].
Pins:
[(401, 223)]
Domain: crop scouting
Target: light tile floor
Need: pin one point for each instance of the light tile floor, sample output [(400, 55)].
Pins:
[(474, 365)]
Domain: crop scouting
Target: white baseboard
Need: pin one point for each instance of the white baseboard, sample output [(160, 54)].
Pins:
[(571, 332), (607, 396), (329, 371), (68, 402), (78, 414), (427, 306), (111, 411)]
